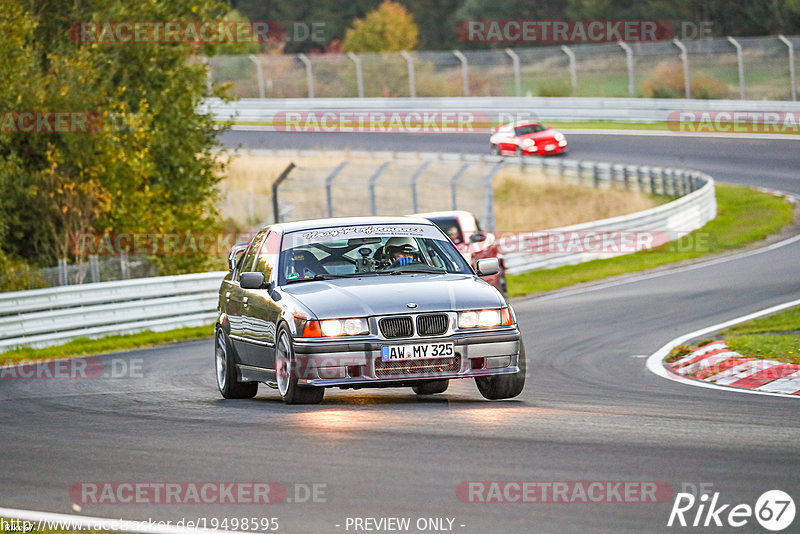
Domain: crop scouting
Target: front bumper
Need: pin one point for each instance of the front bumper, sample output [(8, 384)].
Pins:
[(346, 363)]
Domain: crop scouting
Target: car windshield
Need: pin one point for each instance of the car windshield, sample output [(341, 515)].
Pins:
[(529, 129), (368, 250), (450, 226)]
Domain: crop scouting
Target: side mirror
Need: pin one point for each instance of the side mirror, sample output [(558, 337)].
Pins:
[(549, 128), (486, 266), (252, 281), (477, 237)]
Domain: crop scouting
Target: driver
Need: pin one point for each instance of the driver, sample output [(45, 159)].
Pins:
[(400, 255)]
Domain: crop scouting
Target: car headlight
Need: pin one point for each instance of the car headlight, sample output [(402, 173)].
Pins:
[(485, 318), (559, 136), (529, 142), (344, 327)]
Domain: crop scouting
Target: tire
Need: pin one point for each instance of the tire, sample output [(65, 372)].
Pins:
[(291, 392), (504, 386), (519, 151), (431, 388), (494, 149), (225, 367)]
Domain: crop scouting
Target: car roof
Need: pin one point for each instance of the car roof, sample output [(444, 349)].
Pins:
[(313, 224)]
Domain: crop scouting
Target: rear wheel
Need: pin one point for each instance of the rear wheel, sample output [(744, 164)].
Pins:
[(504, 386), (432, 387), (225, 366), (286, 374)]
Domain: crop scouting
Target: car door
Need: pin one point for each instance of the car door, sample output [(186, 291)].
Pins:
[(239, 301), (261, 310)]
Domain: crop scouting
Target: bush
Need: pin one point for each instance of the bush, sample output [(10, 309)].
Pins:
[(554, 87), (667, 82), (16, 275)]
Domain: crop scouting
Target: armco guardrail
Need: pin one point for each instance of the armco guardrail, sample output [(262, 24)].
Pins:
[(496, 110), (43, 317)]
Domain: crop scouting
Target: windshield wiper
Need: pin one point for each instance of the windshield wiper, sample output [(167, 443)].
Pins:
[(318, 277), (415, 271)]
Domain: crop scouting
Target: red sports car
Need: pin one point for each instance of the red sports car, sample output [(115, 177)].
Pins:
[(527, 138)]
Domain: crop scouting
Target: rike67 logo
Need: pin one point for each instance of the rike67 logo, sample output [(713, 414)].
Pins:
[(774, 510)]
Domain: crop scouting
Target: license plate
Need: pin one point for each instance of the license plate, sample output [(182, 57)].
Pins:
[(418, 351), (550, 147)]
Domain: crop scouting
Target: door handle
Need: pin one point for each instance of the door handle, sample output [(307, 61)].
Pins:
[(245, 299), (228, 296)]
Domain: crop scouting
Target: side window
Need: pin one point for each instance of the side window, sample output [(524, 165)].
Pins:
[(255, 245), (268, 257)]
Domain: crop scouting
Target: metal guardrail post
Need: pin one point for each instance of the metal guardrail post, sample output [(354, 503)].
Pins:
[(629, 61), (488, 209), (309, 74), (454, 183), (275, 205), (739, 64), (359, 74), (651, 174), (124, 265), (414, 179), (329, 182), (792, 75), (464, 70), (372, 179), (573, 69), (687, 85), (595, 176), (259, 74), (412, 84), (517, 77)]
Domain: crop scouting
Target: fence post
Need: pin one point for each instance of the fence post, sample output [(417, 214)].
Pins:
[(792, 80), (629, 61), (259, 74), (454, 183), (275, 206), (359, 74), (124, 265), (739, 64), (687, 86), (464, 70), (329, 182), (309, 74), (573, 69), (62, 272), (412, 84), (488, 209), (517, 78), (372, 179), (414, 179), (94, 268)]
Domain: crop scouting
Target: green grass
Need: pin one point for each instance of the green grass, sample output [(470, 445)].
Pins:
[(87, 347), (744, 216), (785, 321), (781, 348)]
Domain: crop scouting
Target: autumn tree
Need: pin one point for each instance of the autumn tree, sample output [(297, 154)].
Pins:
[(389, 28)]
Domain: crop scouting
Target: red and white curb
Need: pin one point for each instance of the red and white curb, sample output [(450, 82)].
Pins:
[(762, 376), (717, 364)]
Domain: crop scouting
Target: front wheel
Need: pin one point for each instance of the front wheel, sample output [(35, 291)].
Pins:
[(286, 374), (225, 366), (495, 149), (504, 386)]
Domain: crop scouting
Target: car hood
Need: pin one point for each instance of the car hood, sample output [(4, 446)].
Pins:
[(547, 135), (386, 295)]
